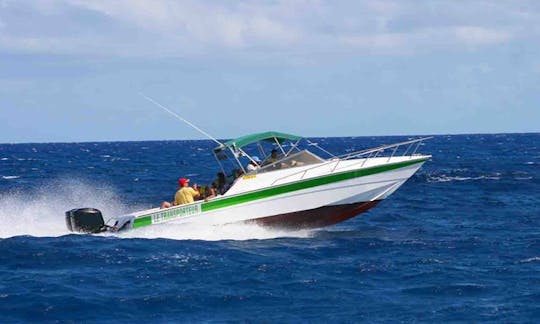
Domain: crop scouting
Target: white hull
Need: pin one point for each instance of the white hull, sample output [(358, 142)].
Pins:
[(357, 190), (369, 188)]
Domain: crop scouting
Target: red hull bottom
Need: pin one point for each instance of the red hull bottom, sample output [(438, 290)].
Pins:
[(314, 218)]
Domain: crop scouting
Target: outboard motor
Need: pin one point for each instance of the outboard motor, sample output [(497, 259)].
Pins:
[(85, 220)]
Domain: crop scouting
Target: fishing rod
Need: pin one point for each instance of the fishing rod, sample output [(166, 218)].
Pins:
[(180, 118)]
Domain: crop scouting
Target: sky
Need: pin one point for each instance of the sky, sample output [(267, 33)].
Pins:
[(73, 70)]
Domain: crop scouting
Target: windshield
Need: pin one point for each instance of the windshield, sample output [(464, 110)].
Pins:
[(294, 160)]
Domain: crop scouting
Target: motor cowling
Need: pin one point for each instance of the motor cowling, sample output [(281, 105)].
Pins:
[(85, 220)]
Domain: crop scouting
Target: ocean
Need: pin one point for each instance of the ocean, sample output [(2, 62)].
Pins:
[(459, 242)]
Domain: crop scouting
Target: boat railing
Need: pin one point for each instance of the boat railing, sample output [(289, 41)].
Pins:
[(397, 149), (409, 144)]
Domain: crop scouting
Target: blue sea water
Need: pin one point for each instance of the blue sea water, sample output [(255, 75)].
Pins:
[(460, 241)]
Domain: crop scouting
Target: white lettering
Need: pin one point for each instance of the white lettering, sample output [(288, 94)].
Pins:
[(175, 212)]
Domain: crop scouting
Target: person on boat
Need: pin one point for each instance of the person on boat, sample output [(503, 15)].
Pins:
[(184, 195), (272, 158), (212, 192), (253, 164), (204, 192), (220, 184), (238, 173)]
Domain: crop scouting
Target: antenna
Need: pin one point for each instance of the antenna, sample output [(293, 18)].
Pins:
[(179, 117)]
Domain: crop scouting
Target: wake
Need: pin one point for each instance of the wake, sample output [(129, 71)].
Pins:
[(238, 231), (41, 214)]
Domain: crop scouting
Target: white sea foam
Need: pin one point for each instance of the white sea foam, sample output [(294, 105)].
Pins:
[(523, 178), (10, 177), (445, 178), (41, 214), (534, 259), (238, 232)]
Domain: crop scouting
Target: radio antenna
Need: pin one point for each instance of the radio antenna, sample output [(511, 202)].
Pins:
[(180, 118)]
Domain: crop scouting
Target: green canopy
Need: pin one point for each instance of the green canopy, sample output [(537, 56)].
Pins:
[(257, 137)]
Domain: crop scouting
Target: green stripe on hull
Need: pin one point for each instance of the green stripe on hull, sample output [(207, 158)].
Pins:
[(274, 191), (143, 221)]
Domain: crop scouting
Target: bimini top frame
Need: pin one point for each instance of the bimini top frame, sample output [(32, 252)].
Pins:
[(238, 143), (235, 145)]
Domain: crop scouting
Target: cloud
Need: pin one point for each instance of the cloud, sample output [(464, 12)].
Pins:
[(479, 36), (203, 23), (428, 39), (189, 28)]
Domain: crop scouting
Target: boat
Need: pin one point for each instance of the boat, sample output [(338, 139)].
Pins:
[(295, 187)]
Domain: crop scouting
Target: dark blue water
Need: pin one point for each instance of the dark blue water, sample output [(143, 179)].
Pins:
[(460, 241)]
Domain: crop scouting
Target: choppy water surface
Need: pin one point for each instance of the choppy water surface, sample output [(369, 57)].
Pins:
[(460, 241)]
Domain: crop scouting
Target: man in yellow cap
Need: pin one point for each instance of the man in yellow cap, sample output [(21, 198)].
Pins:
[(184, 195)]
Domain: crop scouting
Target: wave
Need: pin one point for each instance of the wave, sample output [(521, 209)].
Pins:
[(533, 259), (459, 175), (41, 214), (445, 178), (10, 177)]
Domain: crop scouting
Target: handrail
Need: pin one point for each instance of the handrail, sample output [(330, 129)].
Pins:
[(381, 148), (357, 154)]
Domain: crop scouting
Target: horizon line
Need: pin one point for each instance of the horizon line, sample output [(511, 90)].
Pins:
[(206, 139)]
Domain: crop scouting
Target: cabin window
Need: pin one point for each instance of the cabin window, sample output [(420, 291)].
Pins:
[(299, 159)]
